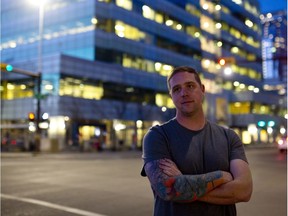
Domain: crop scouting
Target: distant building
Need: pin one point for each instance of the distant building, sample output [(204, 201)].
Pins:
[(274, 53), (104, 64)]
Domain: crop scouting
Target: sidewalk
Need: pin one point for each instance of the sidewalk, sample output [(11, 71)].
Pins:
[(81, 155), (261, 145)]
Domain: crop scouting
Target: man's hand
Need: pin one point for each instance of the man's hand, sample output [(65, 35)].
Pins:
[(169, 167)]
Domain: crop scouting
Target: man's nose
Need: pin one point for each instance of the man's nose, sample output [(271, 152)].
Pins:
[(183, 92)]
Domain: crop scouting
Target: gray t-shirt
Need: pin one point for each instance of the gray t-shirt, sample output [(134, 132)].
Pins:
[(194, 152)]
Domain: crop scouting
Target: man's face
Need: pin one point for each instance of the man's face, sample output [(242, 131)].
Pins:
[(187, 94)]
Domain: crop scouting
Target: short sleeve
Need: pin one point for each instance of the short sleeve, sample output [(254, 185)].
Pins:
[(237, 149), (155, 146)]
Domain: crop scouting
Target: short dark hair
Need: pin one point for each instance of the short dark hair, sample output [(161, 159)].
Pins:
[(183, 69)]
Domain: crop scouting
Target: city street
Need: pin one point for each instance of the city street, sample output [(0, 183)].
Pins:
[(109, 183)]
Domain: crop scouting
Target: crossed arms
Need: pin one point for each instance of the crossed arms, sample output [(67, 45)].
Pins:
[(218, 187)]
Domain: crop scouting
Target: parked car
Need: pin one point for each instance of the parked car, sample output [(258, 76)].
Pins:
[(282, 144)]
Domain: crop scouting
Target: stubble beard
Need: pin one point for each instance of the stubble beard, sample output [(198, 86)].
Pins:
[(185, 112)]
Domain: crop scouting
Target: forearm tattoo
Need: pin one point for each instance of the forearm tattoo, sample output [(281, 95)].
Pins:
[(182, 187)]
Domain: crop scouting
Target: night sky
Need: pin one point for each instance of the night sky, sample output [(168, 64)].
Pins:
[(272, 5)]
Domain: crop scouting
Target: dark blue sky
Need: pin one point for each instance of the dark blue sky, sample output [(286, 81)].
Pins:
[(272, 5)]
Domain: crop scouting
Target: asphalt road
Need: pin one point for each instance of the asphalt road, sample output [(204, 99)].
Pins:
[(109, 184)]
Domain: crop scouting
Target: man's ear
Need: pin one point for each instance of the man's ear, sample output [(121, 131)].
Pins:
[(203, 88)]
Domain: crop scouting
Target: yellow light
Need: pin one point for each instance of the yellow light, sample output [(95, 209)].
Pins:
[(218, 25), (222, 62), (217, 7), (205, 6), (94, 21), (178, 26), (10, 86), (219, 44), (31, 116), (249, 23), (169, 22), (197, 34)]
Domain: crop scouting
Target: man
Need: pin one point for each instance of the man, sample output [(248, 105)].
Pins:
[(195, 167)]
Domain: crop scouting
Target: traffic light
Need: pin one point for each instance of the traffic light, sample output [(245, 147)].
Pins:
[(6, 67), (31, 116), (44, 123), (9, 68), (261, 123), (271, 123)]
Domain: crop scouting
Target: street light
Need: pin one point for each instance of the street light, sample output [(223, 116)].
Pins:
[(40, 4)]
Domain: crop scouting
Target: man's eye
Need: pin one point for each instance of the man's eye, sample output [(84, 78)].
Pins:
[(175, 90), (191, 86)]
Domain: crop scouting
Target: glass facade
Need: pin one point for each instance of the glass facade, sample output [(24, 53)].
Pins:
[(274, 51), (108, 61)]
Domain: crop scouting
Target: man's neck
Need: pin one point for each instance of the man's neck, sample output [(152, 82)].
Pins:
[(192, 122)]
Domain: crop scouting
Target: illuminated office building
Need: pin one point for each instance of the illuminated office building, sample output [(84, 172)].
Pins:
[(103, 66), (274, 51)]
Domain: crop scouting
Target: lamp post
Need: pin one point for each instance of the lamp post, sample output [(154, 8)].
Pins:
[(41, 25), (40, 4)]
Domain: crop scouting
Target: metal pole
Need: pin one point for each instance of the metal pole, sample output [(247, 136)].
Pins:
[(38, 98), (41, 23)]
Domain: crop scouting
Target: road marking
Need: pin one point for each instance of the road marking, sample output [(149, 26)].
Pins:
[(51, 205)]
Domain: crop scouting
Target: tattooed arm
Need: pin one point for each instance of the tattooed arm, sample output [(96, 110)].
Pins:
[(169, 184), (238, 190)]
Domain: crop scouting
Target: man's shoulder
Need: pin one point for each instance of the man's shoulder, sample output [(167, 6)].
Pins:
[(216, 126), (222, 129), (164, 126)]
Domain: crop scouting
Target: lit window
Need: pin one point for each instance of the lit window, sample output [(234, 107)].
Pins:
[(178, 26), (217, 7), (206, 63), (239, 2), (126, 4), (205, 6), (235, 50), (218, 25), (256, 90), (148, 12), (249, 23), (242, 86), (197, 34), (219, 44), (251, 87), (169, 22)]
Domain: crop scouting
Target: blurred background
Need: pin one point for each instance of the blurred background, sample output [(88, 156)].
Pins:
[(87, 75)]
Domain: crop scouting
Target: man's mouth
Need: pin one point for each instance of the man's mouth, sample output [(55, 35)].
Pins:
[(186, 102)]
